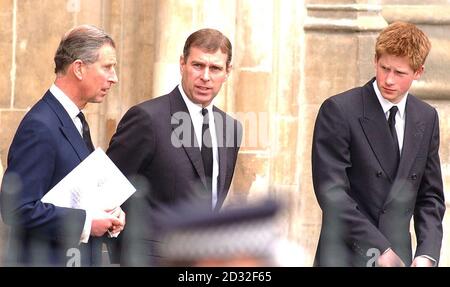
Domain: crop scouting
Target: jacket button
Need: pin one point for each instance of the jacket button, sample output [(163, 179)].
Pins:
[(414, 176), (379, 173), (383, 211)]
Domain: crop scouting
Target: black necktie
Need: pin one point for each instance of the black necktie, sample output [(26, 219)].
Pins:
[(86, 133), (207, 154), (391, 122)]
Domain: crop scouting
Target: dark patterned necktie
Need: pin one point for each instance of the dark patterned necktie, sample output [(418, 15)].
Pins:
[(391, 122), (206, 151), (86, 133)]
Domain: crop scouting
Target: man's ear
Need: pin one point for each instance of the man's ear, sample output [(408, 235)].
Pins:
[(419, 72), (182, 63), (77, 69), (230, 66)]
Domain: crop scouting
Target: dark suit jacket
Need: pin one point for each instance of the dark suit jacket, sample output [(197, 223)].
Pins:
[(151, 148), (45, 148), (366, 206)]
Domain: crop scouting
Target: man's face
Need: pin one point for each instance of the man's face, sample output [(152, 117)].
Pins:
[(202, 75), (99, 76), (395, 76)]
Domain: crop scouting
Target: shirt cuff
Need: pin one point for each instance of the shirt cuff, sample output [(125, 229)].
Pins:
[(113, 235), (430, 258), (87, 228)]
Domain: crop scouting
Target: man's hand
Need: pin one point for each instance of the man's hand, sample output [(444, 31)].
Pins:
[(389, 259), (101, 222), (422, 261), (120, 216)]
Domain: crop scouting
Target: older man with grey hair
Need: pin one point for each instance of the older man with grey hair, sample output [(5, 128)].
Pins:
[(52, 139)]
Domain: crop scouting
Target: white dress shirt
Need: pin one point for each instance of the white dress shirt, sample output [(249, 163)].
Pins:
[(73, 112), (195, 111)]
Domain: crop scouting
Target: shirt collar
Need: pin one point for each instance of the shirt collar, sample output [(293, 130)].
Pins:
[(65, 101), (193, 108), (386, 105)]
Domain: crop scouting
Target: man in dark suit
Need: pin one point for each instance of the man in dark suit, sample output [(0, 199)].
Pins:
[(52, 139), (375, 163), (178, 146)]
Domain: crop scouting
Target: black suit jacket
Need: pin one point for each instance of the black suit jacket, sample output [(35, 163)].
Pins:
[(367, 206), (155, 147), (45, 148)]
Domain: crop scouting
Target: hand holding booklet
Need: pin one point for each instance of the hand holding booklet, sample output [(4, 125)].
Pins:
[(95, 184)]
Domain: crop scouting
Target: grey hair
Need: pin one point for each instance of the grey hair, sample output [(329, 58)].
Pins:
[(80, 43)]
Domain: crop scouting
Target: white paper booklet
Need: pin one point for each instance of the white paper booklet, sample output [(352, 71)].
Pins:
[(95, 184)]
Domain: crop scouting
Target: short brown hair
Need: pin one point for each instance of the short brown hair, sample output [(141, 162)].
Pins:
[(404, 39), (209, 40), (80, 43)]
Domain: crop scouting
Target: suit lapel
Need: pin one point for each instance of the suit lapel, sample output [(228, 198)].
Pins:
[(375, 127), (67, 127), (221, 129), (180, 113), (414, 129)]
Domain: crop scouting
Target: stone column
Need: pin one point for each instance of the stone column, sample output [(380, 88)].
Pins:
[(339, 50), (174, 22), (132, 26), (7, 18), (285, 108), (252, 87)]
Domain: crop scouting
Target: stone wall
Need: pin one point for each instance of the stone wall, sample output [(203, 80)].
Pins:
[(289, 56)]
